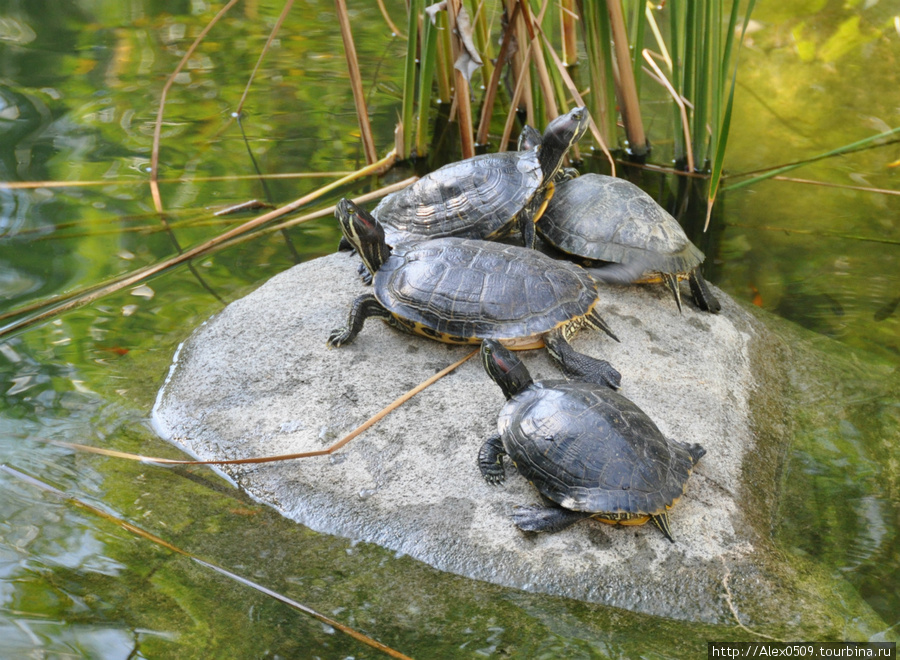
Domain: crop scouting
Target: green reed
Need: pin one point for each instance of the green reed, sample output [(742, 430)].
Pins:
[(602, 44)]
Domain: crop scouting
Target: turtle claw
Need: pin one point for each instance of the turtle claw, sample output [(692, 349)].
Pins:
[(494, 475), (490, 461), (338, 337), (364, 274)]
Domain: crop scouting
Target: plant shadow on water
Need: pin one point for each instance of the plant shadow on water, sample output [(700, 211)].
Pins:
[(79, 95)]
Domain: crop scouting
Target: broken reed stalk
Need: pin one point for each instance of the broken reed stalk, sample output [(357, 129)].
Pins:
[(148, 271), (374, 419), (157, 127), (139, 531), (462, 95), (630, 105), (359, 97)]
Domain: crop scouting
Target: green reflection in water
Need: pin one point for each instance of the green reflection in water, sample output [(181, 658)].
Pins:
[(80, 88)]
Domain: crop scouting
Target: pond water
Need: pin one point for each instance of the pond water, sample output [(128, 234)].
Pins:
[(80, 84)]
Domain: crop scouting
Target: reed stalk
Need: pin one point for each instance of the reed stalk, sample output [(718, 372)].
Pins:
[(482, 39), (487, 108), (627, 89), (444, 59), (409, 79), (462, 94), (359, 96), (426, 80), (567, 20)]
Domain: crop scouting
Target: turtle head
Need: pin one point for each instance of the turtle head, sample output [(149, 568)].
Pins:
[(504, 368), (364, 233), (529, 138), (560, 135)]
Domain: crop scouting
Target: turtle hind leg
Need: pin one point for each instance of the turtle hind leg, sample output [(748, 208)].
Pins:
[(577, 365), (671, 281), (703, 297), (490, 460), (536, 518), (364, 307), (661, 520)]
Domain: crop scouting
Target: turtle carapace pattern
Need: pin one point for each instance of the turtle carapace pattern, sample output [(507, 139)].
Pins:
[(461, 291), (603, 218), (590, 452), (487, 196)]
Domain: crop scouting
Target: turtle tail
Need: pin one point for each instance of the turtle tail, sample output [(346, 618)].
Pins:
[(661, 520)]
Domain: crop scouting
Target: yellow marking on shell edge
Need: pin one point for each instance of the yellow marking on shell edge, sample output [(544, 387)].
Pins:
[(654, 278), (514, 344), (637, 520)]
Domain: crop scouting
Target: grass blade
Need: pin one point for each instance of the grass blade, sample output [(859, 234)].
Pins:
[(426, 80), (409, 78), (725, 125)]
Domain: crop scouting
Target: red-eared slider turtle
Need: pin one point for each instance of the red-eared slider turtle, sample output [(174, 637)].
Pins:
[(602, 218), (590, 452), (460, 291), (487, 196)]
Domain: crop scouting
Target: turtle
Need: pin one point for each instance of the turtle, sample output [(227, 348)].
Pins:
[(603, 218), (590, 452), (486, 196), (460, 291)]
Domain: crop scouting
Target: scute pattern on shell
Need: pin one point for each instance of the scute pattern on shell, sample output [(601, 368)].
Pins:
[(609, 219), (472, 288), (474, 198), (590, 449)]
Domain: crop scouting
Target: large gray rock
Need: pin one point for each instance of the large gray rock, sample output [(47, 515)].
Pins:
[(258, 380)]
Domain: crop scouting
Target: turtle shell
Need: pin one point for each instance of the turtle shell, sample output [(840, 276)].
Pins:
[(475, 198), (465, 290), (604, 218), (590, 449)]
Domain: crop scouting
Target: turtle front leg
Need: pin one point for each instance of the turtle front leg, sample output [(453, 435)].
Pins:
[(364, 307), (536, 518), (703, 297), (490, 460), (525, 223), (577, 365)]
